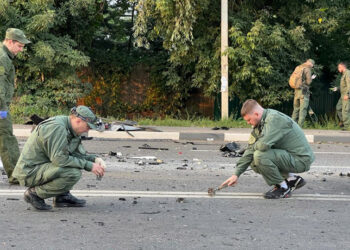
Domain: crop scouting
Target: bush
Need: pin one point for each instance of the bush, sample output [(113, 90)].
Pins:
[(27, 105)]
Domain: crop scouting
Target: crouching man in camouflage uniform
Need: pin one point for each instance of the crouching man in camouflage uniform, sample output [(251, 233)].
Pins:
[(277, 149), (52, 159)]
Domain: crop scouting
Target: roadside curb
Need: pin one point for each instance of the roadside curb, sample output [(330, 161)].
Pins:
[(193, 136)]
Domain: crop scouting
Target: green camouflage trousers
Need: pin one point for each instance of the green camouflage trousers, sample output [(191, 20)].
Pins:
[(9, 150), (300, 106), (343, 112), (50, 180), (275, 165)]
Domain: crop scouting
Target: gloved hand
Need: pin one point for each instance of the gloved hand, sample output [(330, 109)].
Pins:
[(101, 162), (3, 114), (313, 76), (334, 89)]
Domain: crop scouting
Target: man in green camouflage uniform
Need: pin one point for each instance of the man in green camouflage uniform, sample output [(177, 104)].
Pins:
[(277, 148), (14, 42), (52, 159), (343, 103), (302, 94)]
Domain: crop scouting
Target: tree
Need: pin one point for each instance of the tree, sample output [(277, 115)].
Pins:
[(59, 31)]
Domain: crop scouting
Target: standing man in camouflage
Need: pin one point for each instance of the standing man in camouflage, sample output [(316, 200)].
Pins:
[(277, 148), (14, 42), (343, 103), (302, 92), (53, 157)]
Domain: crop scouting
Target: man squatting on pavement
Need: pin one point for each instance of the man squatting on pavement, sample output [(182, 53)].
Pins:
[(277, 148), (52, 159)]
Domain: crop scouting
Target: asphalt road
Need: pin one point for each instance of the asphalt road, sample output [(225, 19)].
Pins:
[(142, 205)]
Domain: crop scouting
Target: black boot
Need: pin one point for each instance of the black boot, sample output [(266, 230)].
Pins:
[(33, 199), (68, 200)]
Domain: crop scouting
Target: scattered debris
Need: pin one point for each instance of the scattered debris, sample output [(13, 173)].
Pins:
[(144, 157), (12, 199), (35, 120), (223, 128), (181, 168), (100, 223), (146, 146), (89, 185), (85, 138), (232, 149), (212, 191), (157, 212), (122, 199), (180, 200), (229, 147)]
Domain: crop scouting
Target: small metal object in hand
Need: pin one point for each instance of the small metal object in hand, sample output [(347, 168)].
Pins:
[(212, 191)]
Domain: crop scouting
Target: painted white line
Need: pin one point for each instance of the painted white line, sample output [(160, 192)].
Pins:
[(330, 167), (165, 194), (333, 153)]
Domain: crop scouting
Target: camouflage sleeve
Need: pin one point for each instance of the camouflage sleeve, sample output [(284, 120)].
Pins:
[(307, 76), (276, 126), (244, 162), (81, 153), (3, 84), (347, 81), (56, 145)]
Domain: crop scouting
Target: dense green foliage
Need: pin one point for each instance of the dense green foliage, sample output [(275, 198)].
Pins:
[(48, 67), (88, 48)]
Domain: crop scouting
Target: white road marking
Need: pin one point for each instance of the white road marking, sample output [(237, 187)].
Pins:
[(165, 194), (333, 153)]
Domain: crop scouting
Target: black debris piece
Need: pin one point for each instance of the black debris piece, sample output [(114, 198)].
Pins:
[(35, 120), (86, 138), (111, 153), (229, 147), (146, 146)]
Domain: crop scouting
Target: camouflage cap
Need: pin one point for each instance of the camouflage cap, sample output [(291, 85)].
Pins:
[(17, 35), (86, 114), (311, 61)]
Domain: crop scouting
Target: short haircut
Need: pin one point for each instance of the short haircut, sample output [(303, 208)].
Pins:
[(344, 64), (248, 107)]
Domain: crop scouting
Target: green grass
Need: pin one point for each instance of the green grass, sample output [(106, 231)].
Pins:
[(195, 122), (324, 123)]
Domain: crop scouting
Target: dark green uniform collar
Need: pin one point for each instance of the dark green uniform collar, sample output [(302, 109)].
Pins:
[(262, 121), (8, 51), (71, 128)]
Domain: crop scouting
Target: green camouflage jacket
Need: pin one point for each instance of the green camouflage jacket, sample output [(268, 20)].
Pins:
[(7, 77), (53, 141), (276, 131)]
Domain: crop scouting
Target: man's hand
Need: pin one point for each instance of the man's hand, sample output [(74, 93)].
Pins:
[(101, 162), (230, 181), (98, 169), (346, 97)]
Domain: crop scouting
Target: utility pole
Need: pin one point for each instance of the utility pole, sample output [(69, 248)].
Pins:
[(224, 59)]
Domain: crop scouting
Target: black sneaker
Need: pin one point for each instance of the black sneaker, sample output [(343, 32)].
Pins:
[(278, 192), (33, 199), (297, 183), (68, 200)]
